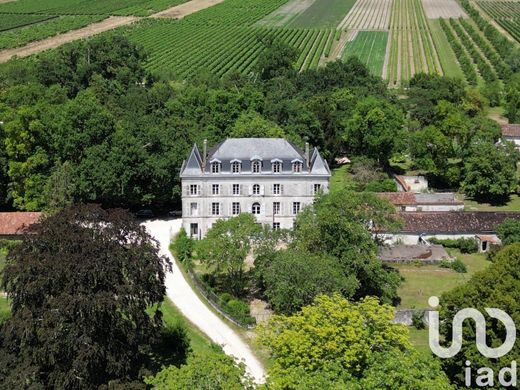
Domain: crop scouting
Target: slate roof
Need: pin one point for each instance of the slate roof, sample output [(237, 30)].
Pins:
[(15, 223), (454, 222), (512, 130), (245, 150)]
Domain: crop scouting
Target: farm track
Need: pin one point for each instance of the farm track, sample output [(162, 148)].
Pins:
[(110, 23)]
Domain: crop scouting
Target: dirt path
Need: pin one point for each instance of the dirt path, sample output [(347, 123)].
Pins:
[(58, 40), (110, 23), (187, 301), (387, 56), (180, 11)]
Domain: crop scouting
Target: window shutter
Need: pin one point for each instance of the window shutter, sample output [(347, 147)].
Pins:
[(281, 189), (250, 190)]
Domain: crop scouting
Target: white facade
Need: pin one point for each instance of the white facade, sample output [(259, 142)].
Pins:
[(269, 178)]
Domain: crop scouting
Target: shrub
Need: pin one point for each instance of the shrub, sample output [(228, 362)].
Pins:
[(182, 247), (417, 319), (459, 266), (465, 245), (237, 309)]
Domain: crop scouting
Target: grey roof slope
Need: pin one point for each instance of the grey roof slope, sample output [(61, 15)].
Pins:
[(247, 149)]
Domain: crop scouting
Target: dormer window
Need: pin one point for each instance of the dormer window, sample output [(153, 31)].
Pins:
[(277, 166), (297, 166), (215, 166), (235, 166), (256, 166)]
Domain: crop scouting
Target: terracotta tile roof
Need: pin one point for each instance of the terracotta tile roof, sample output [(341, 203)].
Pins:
[(453, 222), (398, 198), (512, 130), (483, 237), (402, 182), (14, 223)]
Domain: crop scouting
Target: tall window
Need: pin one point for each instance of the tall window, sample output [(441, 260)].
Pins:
[(276, 208), (235, 167), (215, 167), (317, 188), (256, 208), (194, 209), (277, 189), (215, 208), (277, 167), (256, 166), (236, 189), (235, 208), (295, 208), (297, 167), (215, 189), (256, 189), (194, 189)]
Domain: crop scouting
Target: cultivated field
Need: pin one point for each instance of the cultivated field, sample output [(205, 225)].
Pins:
[(435, 9), (286, 13), (412, 47), (323, 13), (370, 48), (368, 15), (505, 13)]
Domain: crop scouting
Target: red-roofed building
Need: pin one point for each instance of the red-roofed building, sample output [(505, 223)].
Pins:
[(409, 201), (512, 133), (15, 224)]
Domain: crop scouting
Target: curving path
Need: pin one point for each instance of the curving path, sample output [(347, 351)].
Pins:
[(181, 294)]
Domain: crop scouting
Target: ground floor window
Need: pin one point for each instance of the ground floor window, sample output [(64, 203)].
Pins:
[(256, 208), (235, 208), (276, 225), (296, 207), (194, 229)]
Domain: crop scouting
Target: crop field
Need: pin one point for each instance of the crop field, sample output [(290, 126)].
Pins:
[(368, 15), (446, 9), (323, 13), (286, 13), (412, 47), (10, 21), (370, 48), (87, 7), (505, 13)]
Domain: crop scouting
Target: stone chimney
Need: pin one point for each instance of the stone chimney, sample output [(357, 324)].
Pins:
[(204, 154), (307, 155)]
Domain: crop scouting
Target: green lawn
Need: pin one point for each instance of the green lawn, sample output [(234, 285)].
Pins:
[(199, 342), (421, 282), (341, 179), (512, 205), (419, 339), (323, 13)]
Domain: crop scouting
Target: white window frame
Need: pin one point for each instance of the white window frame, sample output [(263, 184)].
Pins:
[(296, 207), (316, 188), (192, 187), (215, 206), (235, 208), (276, 226), (215, 167), (297, 166), (217, 187), (236, 167), (258, 208), (277, 189), (277, 208), (237, 186), (194, 211), (256, 166), (277, 167), (256, 189)]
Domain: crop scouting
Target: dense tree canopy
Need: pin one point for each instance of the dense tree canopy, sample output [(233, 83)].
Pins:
[(509, 231), (336, 344), (80, 285)]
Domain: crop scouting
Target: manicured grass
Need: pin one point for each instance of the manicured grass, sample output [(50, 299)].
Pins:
[(449, 63), (370, 48), (323, 13), (421, 282), (199, 342), (419, 339), (512, 205)]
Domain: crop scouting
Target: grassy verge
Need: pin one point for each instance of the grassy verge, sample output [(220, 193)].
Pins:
[(421, 282), (449, 63), (512, 205)]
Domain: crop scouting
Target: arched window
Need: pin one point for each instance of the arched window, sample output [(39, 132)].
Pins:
[(256, 166), (235, 167), (256, 189), (277, 167), (256, 208), (215, 167)]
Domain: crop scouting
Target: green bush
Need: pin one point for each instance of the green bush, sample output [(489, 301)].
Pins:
[(465, 245), (459, 266), (7, 245), (237, 309), (417, 319), (182, 247)]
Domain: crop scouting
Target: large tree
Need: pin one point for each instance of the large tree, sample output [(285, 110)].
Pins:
[(496, 287), (336, 344), (80, 286)]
